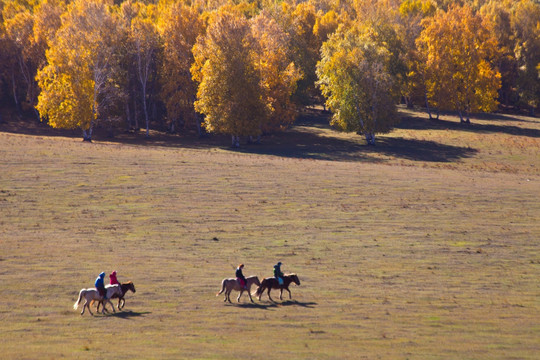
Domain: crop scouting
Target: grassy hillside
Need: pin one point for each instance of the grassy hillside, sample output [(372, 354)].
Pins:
[(422, 247)]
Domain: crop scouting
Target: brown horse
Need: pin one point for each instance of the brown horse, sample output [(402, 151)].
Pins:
[(272, 283), (228, 285), (121, 301)]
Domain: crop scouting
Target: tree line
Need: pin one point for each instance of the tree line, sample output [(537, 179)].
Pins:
[(244, 67)]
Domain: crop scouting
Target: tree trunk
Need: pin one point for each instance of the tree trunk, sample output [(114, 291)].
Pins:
[(427, 106), (145, 111), (235, 141), (370, 138), (87, 135), (14, 89), (128, 116)]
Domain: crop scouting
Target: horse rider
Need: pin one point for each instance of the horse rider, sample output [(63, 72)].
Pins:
[(100, 285), (112, 279), (277, 273), (240, 276)]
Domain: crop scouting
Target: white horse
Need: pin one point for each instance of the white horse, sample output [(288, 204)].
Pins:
[(228, 285), (92, 294)]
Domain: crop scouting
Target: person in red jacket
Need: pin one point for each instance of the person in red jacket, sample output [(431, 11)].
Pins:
[(112, 279)]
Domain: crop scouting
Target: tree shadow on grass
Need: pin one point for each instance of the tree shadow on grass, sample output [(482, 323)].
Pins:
[(420, 123), (308, 143), (422, 150), (311, 137)]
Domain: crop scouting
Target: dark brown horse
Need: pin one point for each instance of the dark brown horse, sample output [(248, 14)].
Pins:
[(272, 283), (121, 301)]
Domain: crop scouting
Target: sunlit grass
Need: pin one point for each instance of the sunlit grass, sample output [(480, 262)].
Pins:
[(399, 257)]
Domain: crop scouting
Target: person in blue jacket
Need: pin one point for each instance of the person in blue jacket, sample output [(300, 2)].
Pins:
[(100, 285), (277, 273)]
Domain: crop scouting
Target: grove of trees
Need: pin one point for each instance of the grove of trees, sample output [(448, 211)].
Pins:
[(245, 67)]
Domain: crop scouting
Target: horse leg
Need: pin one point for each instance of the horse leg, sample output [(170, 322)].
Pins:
[(281, 294), (123, 303), (87, 305), (112, 305), (270, 288), (290, 297), (249, 293), (238, 298)]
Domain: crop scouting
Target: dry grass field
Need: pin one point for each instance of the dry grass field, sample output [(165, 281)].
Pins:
[(425, 246)]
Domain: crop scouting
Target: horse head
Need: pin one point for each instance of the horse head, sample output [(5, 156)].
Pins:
[(131, 286), (256, 281), (295, 279)]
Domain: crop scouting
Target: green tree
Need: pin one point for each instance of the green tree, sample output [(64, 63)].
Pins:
[(355, 79)]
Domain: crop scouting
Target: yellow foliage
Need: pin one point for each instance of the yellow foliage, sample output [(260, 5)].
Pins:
[(455, 49)]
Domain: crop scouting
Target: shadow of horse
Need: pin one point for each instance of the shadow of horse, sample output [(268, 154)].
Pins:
[(129, 314), (258, 305), (309, 304)]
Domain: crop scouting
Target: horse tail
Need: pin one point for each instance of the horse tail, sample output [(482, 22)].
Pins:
[(260, 288), (222, 287), (76, 305)]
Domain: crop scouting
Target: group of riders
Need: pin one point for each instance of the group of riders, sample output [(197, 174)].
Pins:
[(100, 280), (278, 274), (100, 283)]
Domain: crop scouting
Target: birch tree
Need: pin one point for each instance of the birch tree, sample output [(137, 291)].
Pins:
[(355, 80), (279, 74), (229, 93), (458, 50), (179, 27), (78, 85), (144, 37)]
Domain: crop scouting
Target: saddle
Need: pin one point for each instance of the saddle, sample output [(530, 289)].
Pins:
[(241, 282)]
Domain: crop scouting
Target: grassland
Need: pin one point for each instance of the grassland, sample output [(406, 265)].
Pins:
[(425, 246)]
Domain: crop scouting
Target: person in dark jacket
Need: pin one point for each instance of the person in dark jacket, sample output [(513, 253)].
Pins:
[(277, 273), (100, 285), (240, 276)]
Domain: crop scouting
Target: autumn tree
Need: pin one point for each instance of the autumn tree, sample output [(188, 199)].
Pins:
[(79, 83), (20, 48), (305, 46), (144, 37), (278, 74), (411, 14), (229, 94), (179, 26), (497, 15), (355, 79), (457, 50), (525, 23)]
